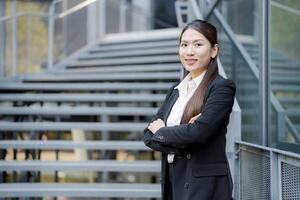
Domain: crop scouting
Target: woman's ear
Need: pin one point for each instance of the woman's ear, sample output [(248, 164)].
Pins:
[(214, 51)]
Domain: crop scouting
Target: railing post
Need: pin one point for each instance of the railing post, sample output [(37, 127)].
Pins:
[(122, 21), (281, 127), (2, 39), (274, 176), (50, 35), (102, 21), (264, 83), (237, 171), (14, 38)]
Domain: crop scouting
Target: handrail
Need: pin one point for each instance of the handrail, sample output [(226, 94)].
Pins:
[(285, 153), (75, 8)]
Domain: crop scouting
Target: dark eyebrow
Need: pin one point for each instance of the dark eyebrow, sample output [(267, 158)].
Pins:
[(199, 40)]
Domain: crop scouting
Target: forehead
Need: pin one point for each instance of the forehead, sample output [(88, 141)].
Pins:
[(191, 35)]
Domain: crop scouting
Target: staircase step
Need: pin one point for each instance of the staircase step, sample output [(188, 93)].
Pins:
[(103, 77), (91, 165), (68, 126), (105, 86), (79, 111), (289, 99), (117, 190), (293, 112), (79, 97), (124, 68), (297, 128), (130, 53), (126, 61), (67, 144), (138, 45)]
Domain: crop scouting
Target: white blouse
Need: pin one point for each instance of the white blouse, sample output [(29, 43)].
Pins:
[(186, 90)]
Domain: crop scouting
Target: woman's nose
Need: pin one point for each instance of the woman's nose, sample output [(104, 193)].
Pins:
[(190, 50)]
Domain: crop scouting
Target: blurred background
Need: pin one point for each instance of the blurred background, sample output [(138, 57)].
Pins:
[(80, 80)]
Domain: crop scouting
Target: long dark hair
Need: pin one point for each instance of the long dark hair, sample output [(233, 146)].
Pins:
[(194, 105)]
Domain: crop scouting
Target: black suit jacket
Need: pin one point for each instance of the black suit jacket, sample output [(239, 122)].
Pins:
[(203, 141)]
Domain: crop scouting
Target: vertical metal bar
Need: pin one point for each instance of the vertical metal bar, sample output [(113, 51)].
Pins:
[(104, 137), (14, 37), (2, 39), (234, 65), (102, 21), (274, 176), (281, 127), (123, 8), (50, 35), (91, 23), (264, 89), (237, 172)]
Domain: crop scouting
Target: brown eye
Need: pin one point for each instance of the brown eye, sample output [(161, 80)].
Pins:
[(183, 45), (198, 44)]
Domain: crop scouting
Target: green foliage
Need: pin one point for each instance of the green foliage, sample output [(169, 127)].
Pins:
[(32, 36)]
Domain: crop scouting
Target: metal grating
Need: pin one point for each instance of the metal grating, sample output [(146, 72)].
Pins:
[(255, 175), (290, 181)]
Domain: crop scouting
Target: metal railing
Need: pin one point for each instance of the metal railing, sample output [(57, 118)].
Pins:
[(273, 173), (64, 40), (11, 60), (61, 29)]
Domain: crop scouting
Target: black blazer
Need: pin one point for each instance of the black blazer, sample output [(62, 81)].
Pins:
[(203, 142)]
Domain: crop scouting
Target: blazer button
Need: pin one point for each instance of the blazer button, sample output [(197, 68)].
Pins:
[(186, 186), (188, 156)]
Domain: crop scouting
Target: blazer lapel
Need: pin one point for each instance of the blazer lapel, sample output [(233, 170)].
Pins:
[(174, 96)]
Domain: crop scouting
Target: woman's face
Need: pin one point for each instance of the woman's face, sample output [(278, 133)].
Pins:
[(195, 52)]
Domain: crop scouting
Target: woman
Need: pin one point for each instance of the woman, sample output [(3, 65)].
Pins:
[(189, 128)]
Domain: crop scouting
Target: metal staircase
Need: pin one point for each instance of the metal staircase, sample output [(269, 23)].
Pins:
[(98, 103)]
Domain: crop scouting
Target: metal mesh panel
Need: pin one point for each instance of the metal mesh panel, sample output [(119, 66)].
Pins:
[(290, 181), (255, 175)]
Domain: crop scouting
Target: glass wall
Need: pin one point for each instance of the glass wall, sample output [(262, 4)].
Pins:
[(241, 18), (244, 17), (285, 73)]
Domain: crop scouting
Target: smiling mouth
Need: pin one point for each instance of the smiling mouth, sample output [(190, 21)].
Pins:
[(190, 61)]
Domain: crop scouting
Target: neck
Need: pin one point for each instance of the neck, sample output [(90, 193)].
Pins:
[(197, 73)]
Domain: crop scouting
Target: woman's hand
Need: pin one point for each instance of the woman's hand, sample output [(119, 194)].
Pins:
[(156, 125), (192, 120)]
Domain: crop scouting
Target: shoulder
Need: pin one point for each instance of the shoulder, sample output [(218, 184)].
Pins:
[(220, 86), (220, 81)]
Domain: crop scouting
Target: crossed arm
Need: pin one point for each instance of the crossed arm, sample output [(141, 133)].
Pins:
[(174, 139)]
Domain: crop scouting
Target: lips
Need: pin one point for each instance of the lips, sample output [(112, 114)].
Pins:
[(190, 61)]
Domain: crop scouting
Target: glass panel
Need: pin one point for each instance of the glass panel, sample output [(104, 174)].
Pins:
[(33, 6), (244, 18), (32, 43), (246, 82), (285, 73), (7, 46), (70, 31)]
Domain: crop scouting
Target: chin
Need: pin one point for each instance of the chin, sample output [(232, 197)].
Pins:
[(189, 68)]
